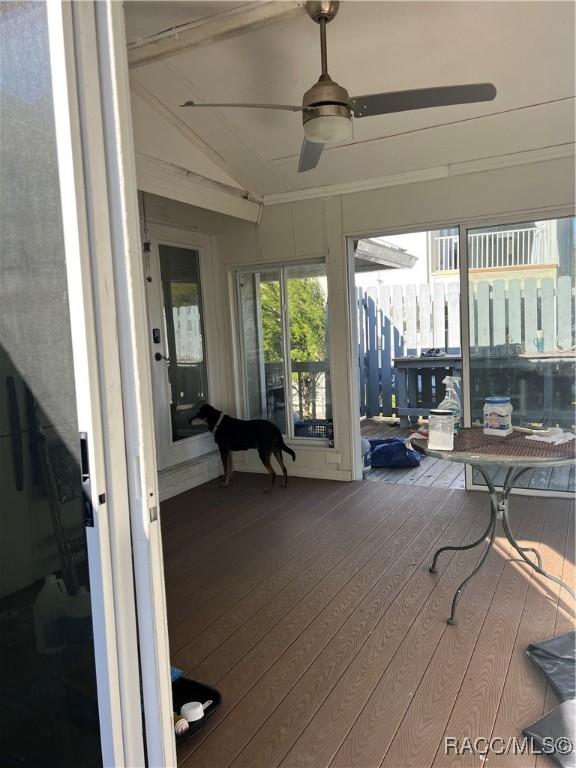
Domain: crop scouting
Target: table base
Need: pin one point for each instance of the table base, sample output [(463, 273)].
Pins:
[(498, 511)]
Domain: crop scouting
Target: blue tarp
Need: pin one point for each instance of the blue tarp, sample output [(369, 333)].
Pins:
[(392, 453)]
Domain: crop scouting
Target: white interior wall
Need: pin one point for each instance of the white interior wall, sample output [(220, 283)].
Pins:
[(319, 227)]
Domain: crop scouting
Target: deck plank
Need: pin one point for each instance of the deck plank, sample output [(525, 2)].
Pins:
[(353, 658), (523, 697), (372, 733), (321, 739), (256, 561), (251, 619), (277, 664), (326, 635), (421, 731), (479, 696)]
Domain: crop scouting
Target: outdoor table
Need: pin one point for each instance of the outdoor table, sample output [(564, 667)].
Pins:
[(487, 454), (406, 373)]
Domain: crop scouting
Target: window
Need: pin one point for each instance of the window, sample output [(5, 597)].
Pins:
[(522, 328), (184, 333), (286, 369)]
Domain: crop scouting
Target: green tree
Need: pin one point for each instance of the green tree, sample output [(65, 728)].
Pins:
[(307, 315)]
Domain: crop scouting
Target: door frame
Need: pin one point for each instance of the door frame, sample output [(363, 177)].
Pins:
[(356, 450), (462, 225), (72, 27), (234, 272), (100, 211), (170, 453)]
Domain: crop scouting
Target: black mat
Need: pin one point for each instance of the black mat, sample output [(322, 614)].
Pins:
[(185, 690), (557, 660), (555, 734)]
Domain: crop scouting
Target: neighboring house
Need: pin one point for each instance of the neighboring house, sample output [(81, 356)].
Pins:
[(540, 249)]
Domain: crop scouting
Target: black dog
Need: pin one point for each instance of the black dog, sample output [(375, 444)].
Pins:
[(238, 435)]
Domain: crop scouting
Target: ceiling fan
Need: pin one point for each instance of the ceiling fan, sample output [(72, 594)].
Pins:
[(327, 109)]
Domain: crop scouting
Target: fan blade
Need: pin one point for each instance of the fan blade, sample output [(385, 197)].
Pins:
[(309, 155), (421, 98), (286, 107)]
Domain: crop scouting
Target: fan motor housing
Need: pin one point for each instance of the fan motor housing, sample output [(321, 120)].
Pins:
[(328, 98)]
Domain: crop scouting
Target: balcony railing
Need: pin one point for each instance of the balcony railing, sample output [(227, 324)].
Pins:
[(488, 250)]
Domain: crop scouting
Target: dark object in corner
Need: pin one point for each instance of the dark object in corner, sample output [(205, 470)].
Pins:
[(184, 690), (557, 659), (555, 734)]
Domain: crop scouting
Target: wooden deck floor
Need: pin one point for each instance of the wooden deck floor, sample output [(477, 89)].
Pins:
[(313, 612)]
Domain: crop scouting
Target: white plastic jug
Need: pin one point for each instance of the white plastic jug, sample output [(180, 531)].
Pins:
[(50, 609)]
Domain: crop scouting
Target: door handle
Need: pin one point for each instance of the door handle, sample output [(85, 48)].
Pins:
[(159, 356)]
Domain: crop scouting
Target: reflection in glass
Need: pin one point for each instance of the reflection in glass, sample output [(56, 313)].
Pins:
[(49, 712), (307, 297), (263, 340), (522, 327), (184, 332)]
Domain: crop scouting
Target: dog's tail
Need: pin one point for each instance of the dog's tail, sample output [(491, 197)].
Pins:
[(287, 450)]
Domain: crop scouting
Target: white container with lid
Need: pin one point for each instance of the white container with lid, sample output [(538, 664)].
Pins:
[(498, 416), (441, 430)]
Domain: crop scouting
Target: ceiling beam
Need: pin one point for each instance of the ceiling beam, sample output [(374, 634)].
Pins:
[(227, 24), (168, 180), (161, 109)]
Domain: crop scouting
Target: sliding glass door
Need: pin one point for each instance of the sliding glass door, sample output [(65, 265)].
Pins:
[(47, 661), (284, 341), (521, 289)]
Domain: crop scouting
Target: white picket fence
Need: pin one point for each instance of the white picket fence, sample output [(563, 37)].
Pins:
[(534, 315), (188, 334), (537, 314)]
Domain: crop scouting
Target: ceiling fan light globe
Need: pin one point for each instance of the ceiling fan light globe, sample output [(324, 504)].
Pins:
[(327, 128)]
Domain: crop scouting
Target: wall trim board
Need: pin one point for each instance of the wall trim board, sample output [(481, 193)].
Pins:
[(509, 216), (166, 180), (184, 477), (526, 157), (315, 472)]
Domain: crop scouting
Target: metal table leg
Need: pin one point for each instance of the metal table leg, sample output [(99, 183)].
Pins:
[(498, 511)]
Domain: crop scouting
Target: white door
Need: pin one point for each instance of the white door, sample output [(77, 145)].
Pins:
[(179, 321)]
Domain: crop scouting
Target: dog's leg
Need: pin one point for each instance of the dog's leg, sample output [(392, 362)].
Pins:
[(280, 460), (230, 466), (265, 459), (225, 456)]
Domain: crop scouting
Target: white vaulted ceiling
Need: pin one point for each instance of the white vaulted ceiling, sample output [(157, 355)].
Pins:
[(525, 48)]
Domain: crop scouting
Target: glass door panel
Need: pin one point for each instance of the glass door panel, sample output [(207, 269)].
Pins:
[(310, 392), (522, 328), (260, 297), (184, 333), (47, 662)]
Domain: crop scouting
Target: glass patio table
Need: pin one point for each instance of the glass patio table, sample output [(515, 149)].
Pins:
[(487, 454)]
